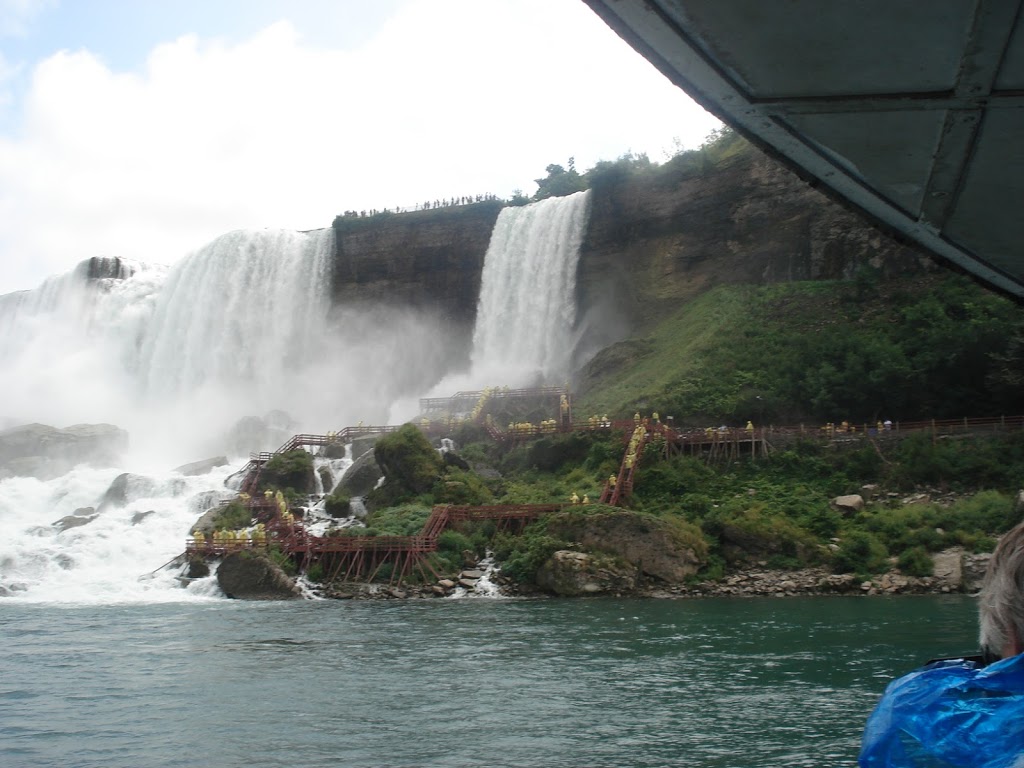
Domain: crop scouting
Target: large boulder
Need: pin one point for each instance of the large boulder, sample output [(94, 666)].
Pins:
[(666, 549), (248, 575), (81, 516), (949, 568), (577, 574), (45, 452), (254, 433), (127, 487), (205, 523), (362, 477), (850, 504), (202, 467), (974, 566)]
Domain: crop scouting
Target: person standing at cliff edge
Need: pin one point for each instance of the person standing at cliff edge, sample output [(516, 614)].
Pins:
[(967, 713)]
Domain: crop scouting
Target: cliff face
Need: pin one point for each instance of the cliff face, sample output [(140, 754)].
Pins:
[(657, 240), (429, 260), (654, 240)]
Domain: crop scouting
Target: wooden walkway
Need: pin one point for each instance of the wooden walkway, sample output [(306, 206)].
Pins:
[(347, 557), (352, 556)]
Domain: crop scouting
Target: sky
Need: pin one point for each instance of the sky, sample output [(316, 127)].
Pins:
[(145, 128)]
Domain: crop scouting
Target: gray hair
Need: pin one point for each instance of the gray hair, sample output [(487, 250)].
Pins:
[(1001, 604)]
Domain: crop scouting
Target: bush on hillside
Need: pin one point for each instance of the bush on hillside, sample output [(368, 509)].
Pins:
[(861, 553), (338, 504), (410, 465), (232, 517), (745, 531), (916, 562), (459, 487), (289, 471)]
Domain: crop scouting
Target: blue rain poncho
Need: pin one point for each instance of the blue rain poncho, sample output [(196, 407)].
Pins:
[(950, 714)]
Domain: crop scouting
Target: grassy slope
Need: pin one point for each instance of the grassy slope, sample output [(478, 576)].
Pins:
[(671, 353), (824, 351)]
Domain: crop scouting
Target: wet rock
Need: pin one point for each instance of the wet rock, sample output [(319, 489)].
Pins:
[(254, 434), (125, 488), (849, 504), (74, 521), (362, 477), (452, 459), (205, 523), (974, 567), (917, 498), (250, 576), (473, 574), (45, 452), (573, 574), (138, 517), (648, 543), (197, 569), (948, 568), (201, 467)]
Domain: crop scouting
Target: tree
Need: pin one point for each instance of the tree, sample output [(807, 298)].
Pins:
[(559, 182)]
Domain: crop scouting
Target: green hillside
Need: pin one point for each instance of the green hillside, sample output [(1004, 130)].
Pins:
[(862, 351)]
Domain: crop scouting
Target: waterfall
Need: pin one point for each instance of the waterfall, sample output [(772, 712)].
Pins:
[(527, 307), (241, 309), (228, 332), (172, 355), (65, 345)]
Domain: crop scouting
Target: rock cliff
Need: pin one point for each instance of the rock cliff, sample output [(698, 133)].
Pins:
[(45, 452), (655, 239), (421, 260)]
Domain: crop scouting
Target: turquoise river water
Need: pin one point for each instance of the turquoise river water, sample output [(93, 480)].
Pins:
[(739, 683)]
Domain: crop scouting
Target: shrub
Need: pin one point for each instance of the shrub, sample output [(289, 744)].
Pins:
[(283, 561), (916, 562), (404, 520), (457, 486), (985, 512), (315, 572), (232, 517), (292, 470), (408, 460), (750, 530), (860, 552), (338, 504), (454, 542)]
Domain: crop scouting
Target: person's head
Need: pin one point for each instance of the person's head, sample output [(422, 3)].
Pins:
[(1001, 604)]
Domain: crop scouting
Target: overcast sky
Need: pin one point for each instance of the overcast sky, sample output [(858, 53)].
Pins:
[(145, 128)]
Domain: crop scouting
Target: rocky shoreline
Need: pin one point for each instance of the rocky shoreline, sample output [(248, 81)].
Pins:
[(956, 572)]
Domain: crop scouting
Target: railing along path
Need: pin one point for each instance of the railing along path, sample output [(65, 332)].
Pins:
[(358, 555)]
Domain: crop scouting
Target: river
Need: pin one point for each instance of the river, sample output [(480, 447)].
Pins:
[(737, 683)]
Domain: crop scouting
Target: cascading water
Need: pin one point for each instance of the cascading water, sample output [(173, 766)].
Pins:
[(527, 306), (113, 557), (174, 356), (239, 311), (228, 332), (526, 313)]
